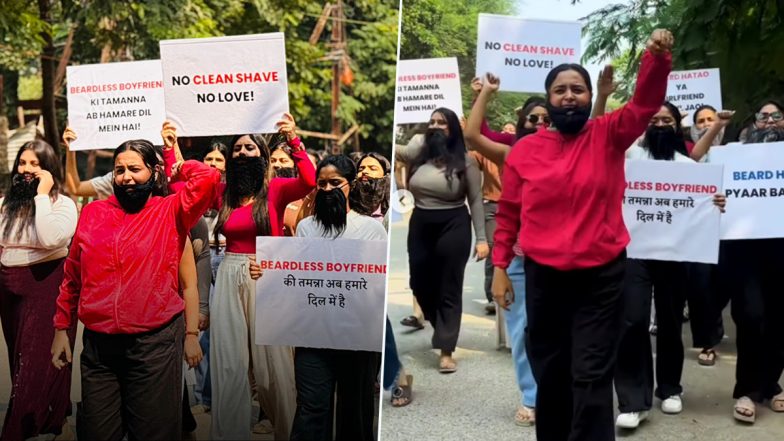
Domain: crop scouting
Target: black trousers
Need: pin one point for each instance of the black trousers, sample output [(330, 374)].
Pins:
[(491, 207), (667, 282), (439, 243), (752, 271), (132, 384), (706, 303), (572, 337), (320, 375)]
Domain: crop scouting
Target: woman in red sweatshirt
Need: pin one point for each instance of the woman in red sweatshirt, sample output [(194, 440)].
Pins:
[(561, 201), (122, 275)]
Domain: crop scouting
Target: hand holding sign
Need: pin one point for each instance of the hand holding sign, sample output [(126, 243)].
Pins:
[(661, 42), (69, 136), (493, 83), (287, 126), (476, 85), (169, 135), (255, 269), (720, 201)]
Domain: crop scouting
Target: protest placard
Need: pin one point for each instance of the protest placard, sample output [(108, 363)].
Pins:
[(321, 293), (225, 85), (690, 89), (754, 185), (111, 103), (669, 212), (522, 51), (425, 85)]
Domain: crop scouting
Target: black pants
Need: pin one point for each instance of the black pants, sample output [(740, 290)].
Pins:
[(439, 243), (752, 270), (490, 209), (320, 375), (572, 336), (132, 383), (706, 304), (634, 367)]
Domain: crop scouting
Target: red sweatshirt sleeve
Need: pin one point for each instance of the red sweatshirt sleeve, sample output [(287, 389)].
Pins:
[(201, 186), (503, 138), (630, 121), (507, 218), (293, 189), (68, 300), (169, 159)]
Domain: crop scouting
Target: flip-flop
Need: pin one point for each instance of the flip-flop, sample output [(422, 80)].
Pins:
[(403, 392), (777, 403), (707, 357), (745, 403), (446, 369), (525, 416), (412, 322)]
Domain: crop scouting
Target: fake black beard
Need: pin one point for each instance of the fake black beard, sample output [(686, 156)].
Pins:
[(286, 172), (766, 134), (568, 120), (436, 142), (19, 205), (662, 143), (366, 196), (330, 211), (245, 174), (132, 198)]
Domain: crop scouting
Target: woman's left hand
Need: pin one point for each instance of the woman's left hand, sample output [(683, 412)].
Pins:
[(193, 354), (287, 126), (255, 270), (481, 251), (720, 201)]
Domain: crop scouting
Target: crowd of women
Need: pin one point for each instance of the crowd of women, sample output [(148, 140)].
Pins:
[(161, 271), (577, 311)]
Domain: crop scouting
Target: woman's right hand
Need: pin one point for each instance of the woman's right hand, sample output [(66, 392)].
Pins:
[(61, 345), (492, 84), (502, 285), (255, 269), (69, 136), (661, 42), (169, 135), (606, 85)]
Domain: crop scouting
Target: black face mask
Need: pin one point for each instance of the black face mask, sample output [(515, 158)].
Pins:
[(286, 172), (568, 121), (245, 174), (133, 198), (367, 196), (662, 142), (330, 211)]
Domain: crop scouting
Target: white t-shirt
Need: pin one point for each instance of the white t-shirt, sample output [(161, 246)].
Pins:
[(47, 239), (637, 152), (357, 227)]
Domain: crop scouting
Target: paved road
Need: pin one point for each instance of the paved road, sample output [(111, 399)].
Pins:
[(478, 401)]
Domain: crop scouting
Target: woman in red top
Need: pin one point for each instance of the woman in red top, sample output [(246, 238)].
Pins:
[(253, 205), (122, 274), (561, 200)]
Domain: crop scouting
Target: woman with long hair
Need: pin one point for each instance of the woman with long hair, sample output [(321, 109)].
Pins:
[(253, 204), (442, 176), (122, 276), (561, 204), (36, 225), (369, 193)]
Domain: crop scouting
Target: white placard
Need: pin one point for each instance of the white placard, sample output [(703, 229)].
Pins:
[(523, 51), (321, 293), (225, 85), (690, 89), (668, 209), (111, 103), (425, 85), (754, 185)]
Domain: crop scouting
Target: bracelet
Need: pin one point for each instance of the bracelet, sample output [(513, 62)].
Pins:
[(196, 333), (294, 143)]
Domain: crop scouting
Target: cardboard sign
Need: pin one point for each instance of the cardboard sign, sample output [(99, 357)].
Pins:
[(690, 89), (321, 293), (425, 85), (111, 103), (522, 51), (225, 85), (669, 212)]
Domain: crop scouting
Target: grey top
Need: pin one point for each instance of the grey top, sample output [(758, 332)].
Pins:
[(357, 227), (432, 191), (103, 185)]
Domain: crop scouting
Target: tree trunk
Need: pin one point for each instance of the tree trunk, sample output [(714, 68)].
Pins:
[(48, 110)]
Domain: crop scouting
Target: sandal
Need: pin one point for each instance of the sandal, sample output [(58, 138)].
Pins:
[(525, 416), (447, 367), (412, 322), (745, 410), (777, 402), (403, 393), (707, 357)]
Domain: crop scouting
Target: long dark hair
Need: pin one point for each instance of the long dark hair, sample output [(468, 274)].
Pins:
[(522, 118), (152, 156), (220, 147), (231, 200), (680, 139), (332, 217), (364, 202), (452, 157), (21, 211)]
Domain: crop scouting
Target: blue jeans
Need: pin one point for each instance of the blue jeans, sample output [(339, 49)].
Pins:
[(391, 360), (203, 388), (516, 322)]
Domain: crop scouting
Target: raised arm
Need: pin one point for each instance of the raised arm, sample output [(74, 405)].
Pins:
[(605, 87), (74, 185), (492, 135), (630, 121), (407, 153), (293, 189), (490, 149), (704, 144), (201, 184)]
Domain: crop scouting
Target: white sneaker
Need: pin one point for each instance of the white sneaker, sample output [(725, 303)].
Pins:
[(631, 420), (672, 405)]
